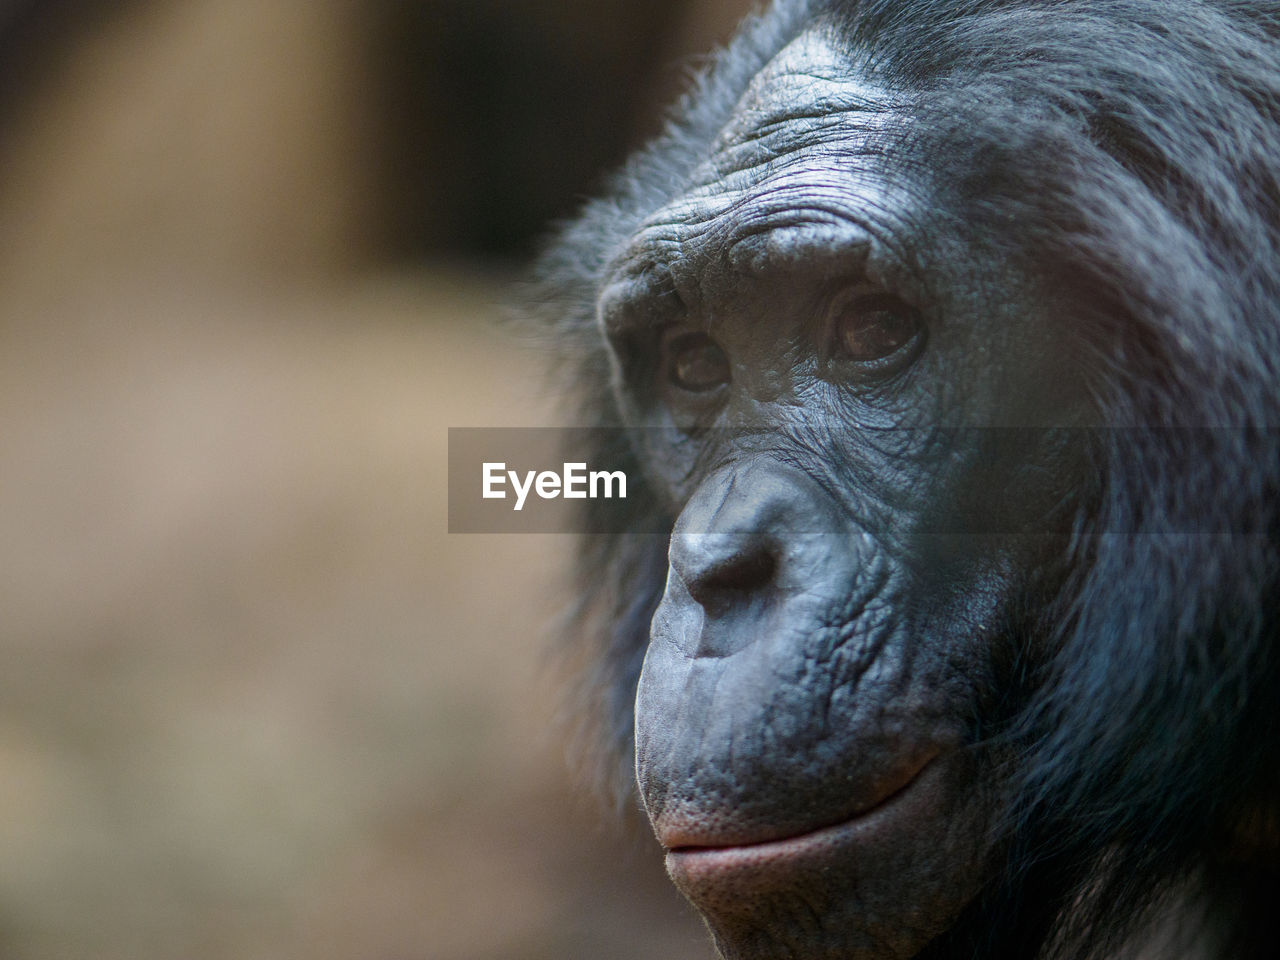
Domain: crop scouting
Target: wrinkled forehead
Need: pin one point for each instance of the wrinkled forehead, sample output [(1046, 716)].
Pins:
[(797, 152), (807, 88)]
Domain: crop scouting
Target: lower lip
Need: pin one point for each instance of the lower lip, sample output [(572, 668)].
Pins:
[(758, 865)]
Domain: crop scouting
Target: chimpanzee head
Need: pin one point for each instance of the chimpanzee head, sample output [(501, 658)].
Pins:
[(914, 326)]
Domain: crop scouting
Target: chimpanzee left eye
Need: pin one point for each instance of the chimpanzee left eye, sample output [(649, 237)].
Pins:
[(873, 326), (696, 363)]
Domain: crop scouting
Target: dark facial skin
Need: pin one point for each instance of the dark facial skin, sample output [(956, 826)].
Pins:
[(825, 417)]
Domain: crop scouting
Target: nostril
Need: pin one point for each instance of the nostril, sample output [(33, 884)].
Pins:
[(734, 577)]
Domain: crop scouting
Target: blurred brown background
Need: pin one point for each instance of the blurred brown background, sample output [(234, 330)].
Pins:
[(255, 702)]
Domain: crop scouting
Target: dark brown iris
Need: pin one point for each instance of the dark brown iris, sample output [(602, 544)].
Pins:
[(869, 328), (696, 363)]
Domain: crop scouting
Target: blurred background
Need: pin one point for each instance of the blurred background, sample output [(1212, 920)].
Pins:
[(255, 702)]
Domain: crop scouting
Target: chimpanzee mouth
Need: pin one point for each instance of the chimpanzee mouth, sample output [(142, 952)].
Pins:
[(693, 865)]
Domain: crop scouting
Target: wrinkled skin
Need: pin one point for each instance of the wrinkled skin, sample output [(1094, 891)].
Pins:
[(858, 527)]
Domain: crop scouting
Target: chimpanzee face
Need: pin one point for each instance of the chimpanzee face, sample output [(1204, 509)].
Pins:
[(861, 456)]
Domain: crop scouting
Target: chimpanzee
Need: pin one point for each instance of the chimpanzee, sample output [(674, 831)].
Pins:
[(943, 337)]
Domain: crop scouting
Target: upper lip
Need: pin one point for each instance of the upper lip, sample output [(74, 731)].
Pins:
[(690, 837)]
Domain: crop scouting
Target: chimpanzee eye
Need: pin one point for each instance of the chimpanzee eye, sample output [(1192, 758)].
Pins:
[(872, 326), (696, 363)]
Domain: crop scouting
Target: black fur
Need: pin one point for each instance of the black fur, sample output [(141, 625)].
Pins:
[(1132, 149)]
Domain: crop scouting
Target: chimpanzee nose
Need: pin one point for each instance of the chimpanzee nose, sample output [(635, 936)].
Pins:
[(722, 568), (715, 572), (749, 539)]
